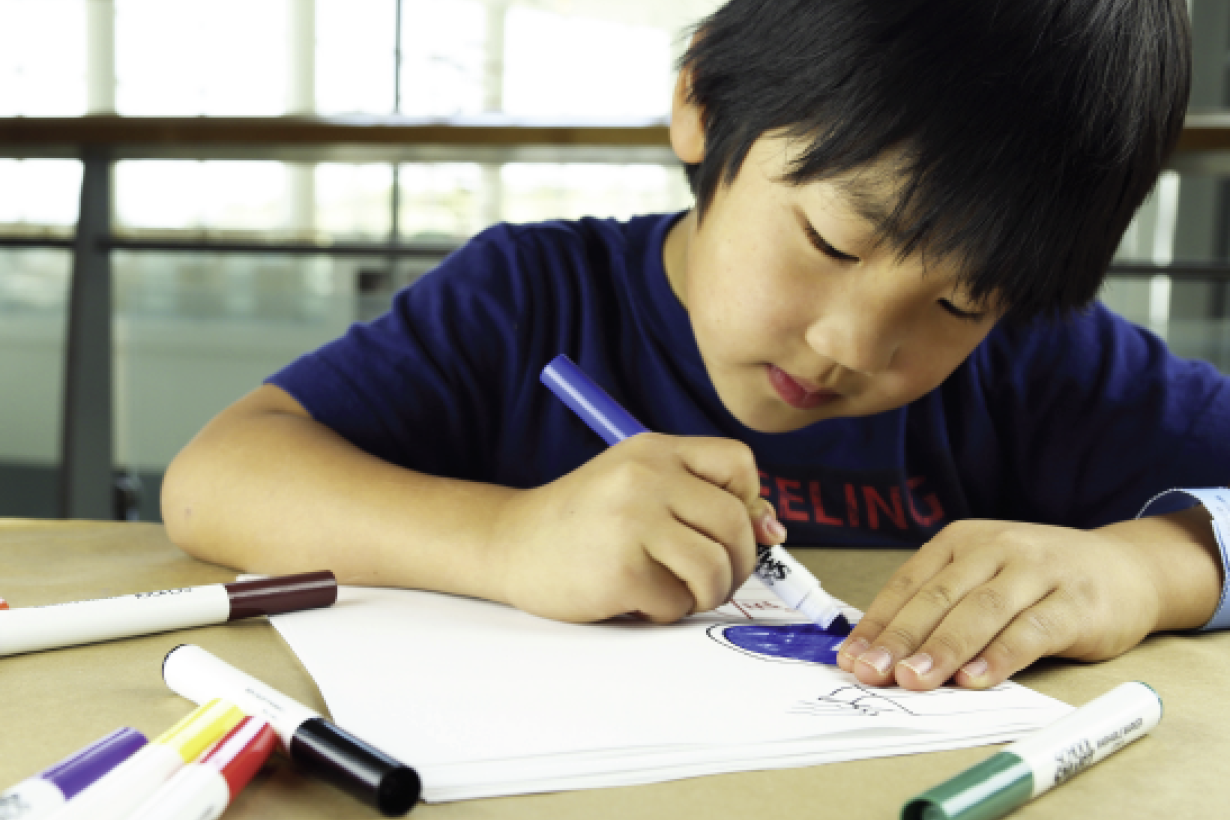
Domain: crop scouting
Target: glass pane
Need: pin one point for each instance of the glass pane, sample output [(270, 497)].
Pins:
[(443, 201), (354, 201), (1185, 222), (40, 192), (542, 191), (42, 58), (354, 56), (199, 196), (33, 300), (557, 64), (444, 57), (184, 57)]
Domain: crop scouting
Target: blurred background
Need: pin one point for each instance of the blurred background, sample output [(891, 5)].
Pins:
[(224, 231)]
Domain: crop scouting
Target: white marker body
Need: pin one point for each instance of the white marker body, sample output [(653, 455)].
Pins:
[(196, 793), (30, 629), (31, 799), (117, 793), (193, 673), (1101, 727), (796, 587)]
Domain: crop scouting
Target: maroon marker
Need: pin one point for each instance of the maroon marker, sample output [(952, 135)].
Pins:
[(31, 629)]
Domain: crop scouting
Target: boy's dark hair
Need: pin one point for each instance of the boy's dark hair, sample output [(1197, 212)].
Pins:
[(1023, 134)]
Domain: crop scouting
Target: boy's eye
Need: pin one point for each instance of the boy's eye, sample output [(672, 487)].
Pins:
[(967, 315), (820, 244)]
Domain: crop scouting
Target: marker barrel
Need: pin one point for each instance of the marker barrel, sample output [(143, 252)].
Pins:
[(115, 795), (39, 796), (31, 629), (304, 736), (596, 408), (1045, 759), (203, 790)]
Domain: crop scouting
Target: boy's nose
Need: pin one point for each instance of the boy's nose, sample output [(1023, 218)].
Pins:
[(862, 340)]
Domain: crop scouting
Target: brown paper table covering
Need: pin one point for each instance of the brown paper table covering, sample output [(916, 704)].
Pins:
[(54, 702)]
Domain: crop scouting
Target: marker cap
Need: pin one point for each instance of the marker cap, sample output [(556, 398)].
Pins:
[(72, 774), (3, 604), (197, 732), (240, 755), (356, 766), (991, 789), (284, 593)]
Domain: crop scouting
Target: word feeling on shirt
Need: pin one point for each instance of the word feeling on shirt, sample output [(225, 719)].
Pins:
[(843, 508)]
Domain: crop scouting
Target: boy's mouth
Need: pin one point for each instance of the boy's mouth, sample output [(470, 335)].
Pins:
[(798, 395)]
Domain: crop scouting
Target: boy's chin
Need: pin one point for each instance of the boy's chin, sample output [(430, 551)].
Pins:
[(780, 419)]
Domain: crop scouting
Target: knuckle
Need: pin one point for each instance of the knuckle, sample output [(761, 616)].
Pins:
[(991, 601), (948, 644), (1045, 628), (901, 585), (939, 595), (901, 635)]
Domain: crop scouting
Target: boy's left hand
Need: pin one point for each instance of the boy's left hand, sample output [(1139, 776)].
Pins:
[(984, 599)]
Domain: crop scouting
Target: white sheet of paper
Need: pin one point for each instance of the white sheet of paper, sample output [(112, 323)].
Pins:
[(486, 700)]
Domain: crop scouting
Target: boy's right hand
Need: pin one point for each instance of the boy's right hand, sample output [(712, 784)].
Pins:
[(658, 525)]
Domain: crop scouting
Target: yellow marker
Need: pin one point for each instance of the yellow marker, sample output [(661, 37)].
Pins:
[(125, 787)]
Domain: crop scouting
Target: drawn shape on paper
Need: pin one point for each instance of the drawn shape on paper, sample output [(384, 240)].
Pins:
[(782, 643), (857, 701)]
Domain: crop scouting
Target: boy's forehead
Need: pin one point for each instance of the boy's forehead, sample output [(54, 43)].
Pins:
[(868, 192)]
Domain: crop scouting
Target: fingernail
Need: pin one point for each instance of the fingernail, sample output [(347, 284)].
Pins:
[(920, 663), (852, 649), (878, 660), (976, 668), (774, 527)]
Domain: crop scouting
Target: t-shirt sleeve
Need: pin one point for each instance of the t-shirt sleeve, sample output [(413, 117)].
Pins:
[(417, 386), (1095, 416)]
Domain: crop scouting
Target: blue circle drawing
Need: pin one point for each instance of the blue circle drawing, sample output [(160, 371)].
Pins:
[(796, 642)]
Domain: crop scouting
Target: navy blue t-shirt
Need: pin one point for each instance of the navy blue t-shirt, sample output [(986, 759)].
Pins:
[(1074, 423)]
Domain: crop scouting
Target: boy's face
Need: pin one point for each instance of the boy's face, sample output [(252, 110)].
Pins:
[(799, 316)]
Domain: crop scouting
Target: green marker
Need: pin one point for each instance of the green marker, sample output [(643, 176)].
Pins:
[(1043, 760)]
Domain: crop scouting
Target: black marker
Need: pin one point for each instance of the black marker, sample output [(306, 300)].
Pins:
[(304, 736)]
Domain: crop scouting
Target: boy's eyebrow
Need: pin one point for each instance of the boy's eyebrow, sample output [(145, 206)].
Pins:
[(869, 201)]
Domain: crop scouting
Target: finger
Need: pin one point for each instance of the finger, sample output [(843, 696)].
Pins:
[(934, 606), (1047, 628), (701, 564), (724, 463), (920, 568), (971, 627), (661, 597), (722, 519)]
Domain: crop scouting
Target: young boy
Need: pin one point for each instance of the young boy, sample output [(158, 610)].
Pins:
[(875, 320)]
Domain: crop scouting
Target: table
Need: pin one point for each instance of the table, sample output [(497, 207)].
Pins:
[(52, 703)]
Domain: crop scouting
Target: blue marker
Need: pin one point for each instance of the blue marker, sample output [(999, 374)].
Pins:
[(778, 569)]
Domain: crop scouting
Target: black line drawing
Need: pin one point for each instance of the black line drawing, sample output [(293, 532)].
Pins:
[(854, 700)]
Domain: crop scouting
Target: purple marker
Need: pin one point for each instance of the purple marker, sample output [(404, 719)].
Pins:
[(43, 794), (777, 569)]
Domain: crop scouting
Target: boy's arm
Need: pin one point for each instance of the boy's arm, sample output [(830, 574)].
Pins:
[(265, 488), (984, 599), (659, 525)]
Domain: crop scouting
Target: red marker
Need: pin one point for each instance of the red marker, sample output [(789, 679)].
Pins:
[(203, 790), (33, 628), (4, 604)]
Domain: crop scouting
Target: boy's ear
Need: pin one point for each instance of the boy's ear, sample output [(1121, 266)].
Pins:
[(687, 122)]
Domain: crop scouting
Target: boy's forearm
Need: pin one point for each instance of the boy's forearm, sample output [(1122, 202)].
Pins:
[(277, 492), (1183, 556)]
